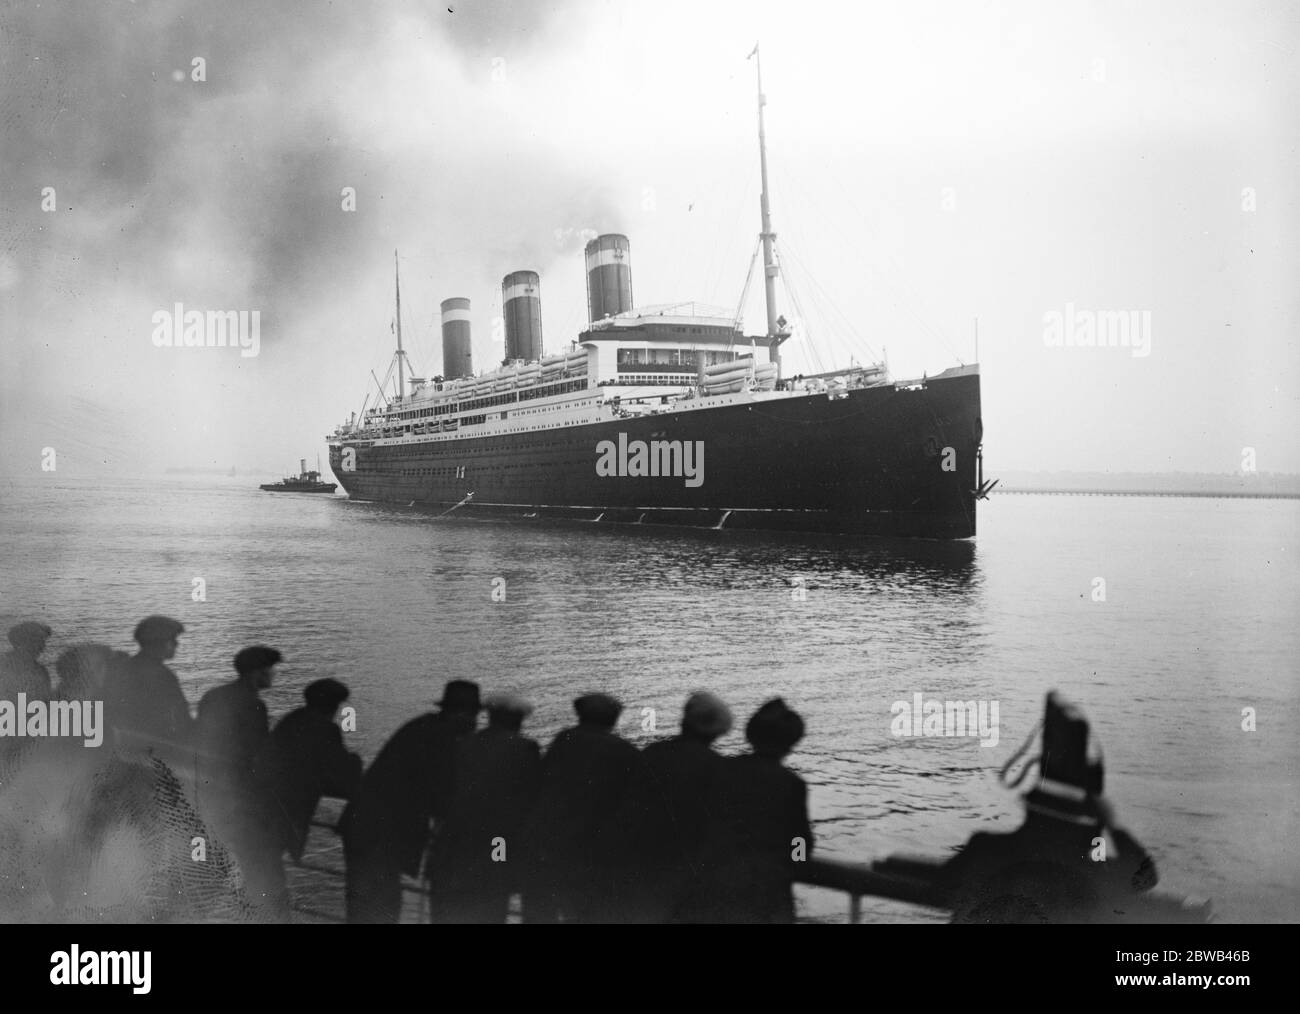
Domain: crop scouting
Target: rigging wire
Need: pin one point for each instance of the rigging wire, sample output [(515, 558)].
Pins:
[(862, 343), (903, 295), (714, 271), (898, 283), (809, 344), (408, 321), (749, 277), (857, 341)]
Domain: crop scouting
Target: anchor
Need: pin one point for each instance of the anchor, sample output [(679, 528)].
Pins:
[(982, 489), (468, 498)]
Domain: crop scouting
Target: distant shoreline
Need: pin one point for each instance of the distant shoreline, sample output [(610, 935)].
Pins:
[(1216, 494)]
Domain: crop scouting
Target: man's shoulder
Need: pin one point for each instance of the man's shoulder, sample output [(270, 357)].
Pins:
[(564, 740), (137, 669), (292, 721), (612, 744), (417, 730), (495, 742), (306, 722), (683, 746), (665, 747), (125, 665), (510, 740), (17, 665), (772, 772), (212, 698), (231, 697), (679, 753)]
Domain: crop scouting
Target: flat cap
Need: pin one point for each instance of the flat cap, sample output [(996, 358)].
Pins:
[(325, 693), (257, 657), (158, 628), (508, 704), (600, 709), (706, 714)]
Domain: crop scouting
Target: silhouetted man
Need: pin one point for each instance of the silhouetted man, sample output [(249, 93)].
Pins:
[(312, 760), (584, 776), (662, 828), (143, 701), (479, 853), (21, 671), (761, 832), (83, 670), (386, 827), (237, 777), (1068, 862)]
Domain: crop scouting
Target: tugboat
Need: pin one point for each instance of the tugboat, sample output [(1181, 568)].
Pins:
[(304, 482)]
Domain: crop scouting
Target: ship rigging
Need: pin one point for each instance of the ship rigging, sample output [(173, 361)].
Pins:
[(845, 450)]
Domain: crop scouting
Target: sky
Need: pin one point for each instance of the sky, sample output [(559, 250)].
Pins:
[(939, 170)]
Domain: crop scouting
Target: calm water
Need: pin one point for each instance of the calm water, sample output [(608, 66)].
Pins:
[(1199, 622)]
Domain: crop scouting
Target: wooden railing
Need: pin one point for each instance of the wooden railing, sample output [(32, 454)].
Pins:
[(916, 880), (912, 880)]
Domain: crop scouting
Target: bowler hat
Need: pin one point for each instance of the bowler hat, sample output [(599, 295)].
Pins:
[(460, 695), (774, 727)]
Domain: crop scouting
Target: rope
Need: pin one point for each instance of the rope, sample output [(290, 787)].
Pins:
[(899, 288), (744, 293), (808, 339), (1002, 775), (859, 344), (857, 339)]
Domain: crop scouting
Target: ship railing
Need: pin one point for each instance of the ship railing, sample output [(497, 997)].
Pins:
[(911, 880), (856, 880)]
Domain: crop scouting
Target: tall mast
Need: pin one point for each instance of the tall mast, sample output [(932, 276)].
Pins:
[(401, 376), (770, 268)]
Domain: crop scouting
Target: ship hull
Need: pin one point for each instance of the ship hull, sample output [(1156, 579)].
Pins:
[(887, 461)]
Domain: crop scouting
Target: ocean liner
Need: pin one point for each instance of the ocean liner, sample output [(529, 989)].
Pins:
[(662, 415)]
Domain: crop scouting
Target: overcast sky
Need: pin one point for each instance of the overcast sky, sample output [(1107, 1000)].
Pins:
[(932, 163)]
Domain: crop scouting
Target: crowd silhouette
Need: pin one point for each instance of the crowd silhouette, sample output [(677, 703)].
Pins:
[(590, 830)]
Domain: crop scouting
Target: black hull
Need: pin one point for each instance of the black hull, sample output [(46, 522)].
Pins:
[(319, 487), (868, 463)]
